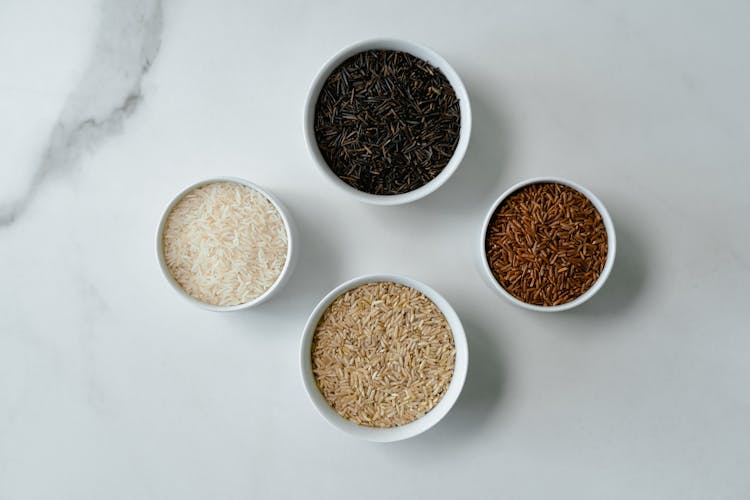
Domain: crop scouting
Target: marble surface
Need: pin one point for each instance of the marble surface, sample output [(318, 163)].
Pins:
[(113, 387)]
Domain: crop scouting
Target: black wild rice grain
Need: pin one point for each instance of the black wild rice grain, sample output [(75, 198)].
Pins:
[(387, 122)]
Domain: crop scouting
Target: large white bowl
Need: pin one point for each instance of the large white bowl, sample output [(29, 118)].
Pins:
[(611, 246), (286, 271), (415, 50), (412, 428)]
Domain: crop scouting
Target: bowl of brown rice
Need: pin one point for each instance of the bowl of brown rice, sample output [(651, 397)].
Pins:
[(226, 244), (383, 357), (547, 244)]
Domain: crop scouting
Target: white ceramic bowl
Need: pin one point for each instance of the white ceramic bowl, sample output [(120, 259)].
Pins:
[(286, 271), (415, 50), (611, 246), (412, 428)]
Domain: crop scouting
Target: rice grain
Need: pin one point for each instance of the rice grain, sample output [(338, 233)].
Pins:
[(546, 244), (383, 354), (225, 243)]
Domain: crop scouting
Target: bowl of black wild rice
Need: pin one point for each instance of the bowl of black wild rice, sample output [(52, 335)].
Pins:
[(388, 121)]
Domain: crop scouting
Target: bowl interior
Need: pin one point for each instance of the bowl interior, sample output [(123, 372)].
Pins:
[(393, 433), (290, 252), (611, 245), (416, 50)]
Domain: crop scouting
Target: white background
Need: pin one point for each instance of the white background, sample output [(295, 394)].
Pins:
[(112, 387)]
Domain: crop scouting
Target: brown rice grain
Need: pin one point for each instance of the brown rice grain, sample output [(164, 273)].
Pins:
[(382, 354)]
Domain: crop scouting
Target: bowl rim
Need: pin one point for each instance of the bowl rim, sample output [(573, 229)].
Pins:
[(417, 426), (611, 245), (288, 227), (416, 50)]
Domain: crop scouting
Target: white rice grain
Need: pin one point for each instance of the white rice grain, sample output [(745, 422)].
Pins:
[(225, 243)]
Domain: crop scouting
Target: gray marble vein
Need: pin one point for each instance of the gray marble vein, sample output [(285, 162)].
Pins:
[(109, 91)]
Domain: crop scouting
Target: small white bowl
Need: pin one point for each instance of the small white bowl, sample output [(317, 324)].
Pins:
[(418, 51), (412, 428), (286, 271), (611, 246)]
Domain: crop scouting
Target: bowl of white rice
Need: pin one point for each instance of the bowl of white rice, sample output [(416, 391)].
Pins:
[(226, 244), (383, 357)]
